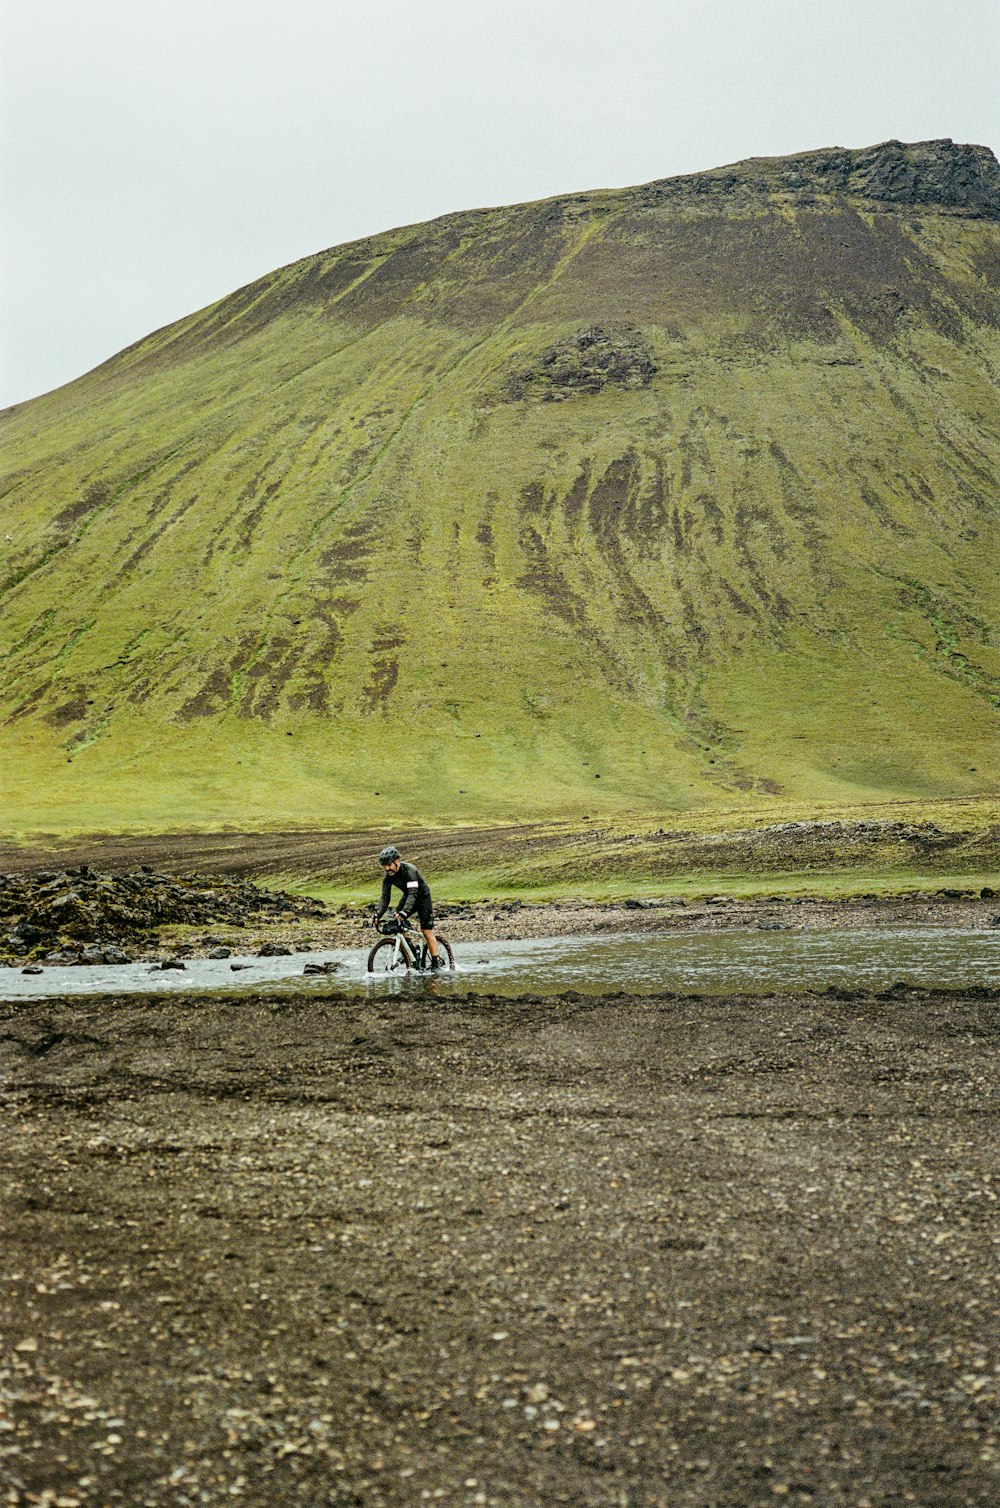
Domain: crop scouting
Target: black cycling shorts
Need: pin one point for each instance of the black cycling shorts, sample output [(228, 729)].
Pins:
[(425, 911)]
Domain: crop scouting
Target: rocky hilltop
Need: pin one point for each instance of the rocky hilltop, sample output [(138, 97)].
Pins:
[(660, 497), (965, 179)]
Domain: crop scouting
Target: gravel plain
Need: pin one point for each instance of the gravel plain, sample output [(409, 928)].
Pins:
[(611, 1251)]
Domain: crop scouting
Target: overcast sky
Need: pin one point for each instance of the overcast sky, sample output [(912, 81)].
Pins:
[(159, 153)]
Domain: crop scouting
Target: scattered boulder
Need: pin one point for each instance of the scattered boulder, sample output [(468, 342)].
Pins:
[(168, 963), (26, 933), (330, 967), (897, 988), (274, 950), (220, 952), (237, 966), (33, 968)]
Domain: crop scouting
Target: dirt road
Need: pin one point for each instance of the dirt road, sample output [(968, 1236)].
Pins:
[(609, 1252)]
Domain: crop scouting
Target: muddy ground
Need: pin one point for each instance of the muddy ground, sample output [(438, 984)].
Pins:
[(617, 1252)]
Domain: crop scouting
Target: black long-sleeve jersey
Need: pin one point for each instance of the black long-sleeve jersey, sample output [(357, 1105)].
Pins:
[(411, 882)]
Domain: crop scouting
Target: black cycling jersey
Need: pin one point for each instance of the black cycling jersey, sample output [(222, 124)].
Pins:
[(416, 892)]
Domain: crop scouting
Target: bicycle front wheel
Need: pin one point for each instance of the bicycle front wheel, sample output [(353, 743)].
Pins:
[(388, 958)]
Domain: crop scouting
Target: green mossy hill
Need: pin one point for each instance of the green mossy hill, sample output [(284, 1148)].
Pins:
[(646, 499)]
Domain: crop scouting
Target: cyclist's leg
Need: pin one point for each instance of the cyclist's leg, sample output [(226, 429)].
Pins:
[(425, 914)]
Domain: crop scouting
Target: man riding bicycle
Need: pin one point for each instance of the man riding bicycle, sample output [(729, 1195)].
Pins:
[(416, 897)]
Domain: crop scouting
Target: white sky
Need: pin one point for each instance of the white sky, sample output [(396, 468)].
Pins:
[(158, 154)]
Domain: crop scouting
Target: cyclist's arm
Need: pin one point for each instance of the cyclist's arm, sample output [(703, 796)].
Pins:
[(383, 904), (411, 885)]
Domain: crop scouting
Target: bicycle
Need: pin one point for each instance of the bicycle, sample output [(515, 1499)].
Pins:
[(397, 953)]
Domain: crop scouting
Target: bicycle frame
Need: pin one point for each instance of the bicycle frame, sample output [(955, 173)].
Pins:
[(402, 944), (404, 947)]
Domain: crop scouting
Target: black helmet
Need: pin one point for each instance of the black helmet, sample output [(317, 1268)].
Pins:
[(388, 855)]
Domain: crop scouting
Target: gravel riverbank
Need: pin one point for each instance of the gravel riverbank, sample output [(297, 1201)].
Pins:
[(612, 1251), (489, 921)]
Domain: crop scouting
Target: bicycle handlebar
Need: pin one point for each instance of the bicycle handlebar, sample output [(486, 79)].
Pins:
[(397, 925)]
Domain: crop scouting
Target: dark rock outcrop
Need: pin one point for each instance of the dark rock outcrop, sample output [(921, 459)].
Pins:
[(82, 916), (945, 174), (585, 362)]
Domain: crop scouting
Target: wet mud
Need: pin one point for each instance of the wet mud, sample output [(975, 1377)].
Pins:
[(614, 1251)]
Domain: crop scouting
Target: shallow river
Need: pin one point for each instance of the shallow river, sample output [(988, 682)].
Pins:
[(705, 963)]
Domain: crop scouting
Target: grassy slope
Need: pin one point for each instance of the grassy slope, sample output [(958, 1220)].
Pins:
[(295, 559)]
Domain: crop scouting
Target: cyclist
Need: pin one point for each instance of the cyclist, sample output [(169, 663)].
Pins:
[(416, 897)]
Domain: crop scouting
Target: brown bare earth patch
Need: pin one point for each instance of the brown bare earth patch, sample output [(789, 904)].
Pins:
[(71, 711), (95, 497)]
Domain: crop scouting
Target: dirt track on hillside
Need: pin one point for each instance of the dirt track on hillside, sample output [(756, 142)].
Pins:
[(237, 853), (601, 1252), (560, 855)]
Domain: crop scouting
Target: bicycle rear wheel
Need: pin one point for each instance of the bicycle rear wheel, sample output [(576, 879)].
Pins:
[(444, 951), (384, 958)]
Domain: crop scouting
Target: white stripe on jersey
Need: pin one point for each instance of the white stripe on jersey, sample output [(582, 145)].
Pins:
[(411, 884)]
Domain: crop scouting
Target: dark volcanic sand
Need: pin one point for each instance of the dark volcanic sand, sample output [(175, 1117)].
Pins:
[(597, 1252)]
